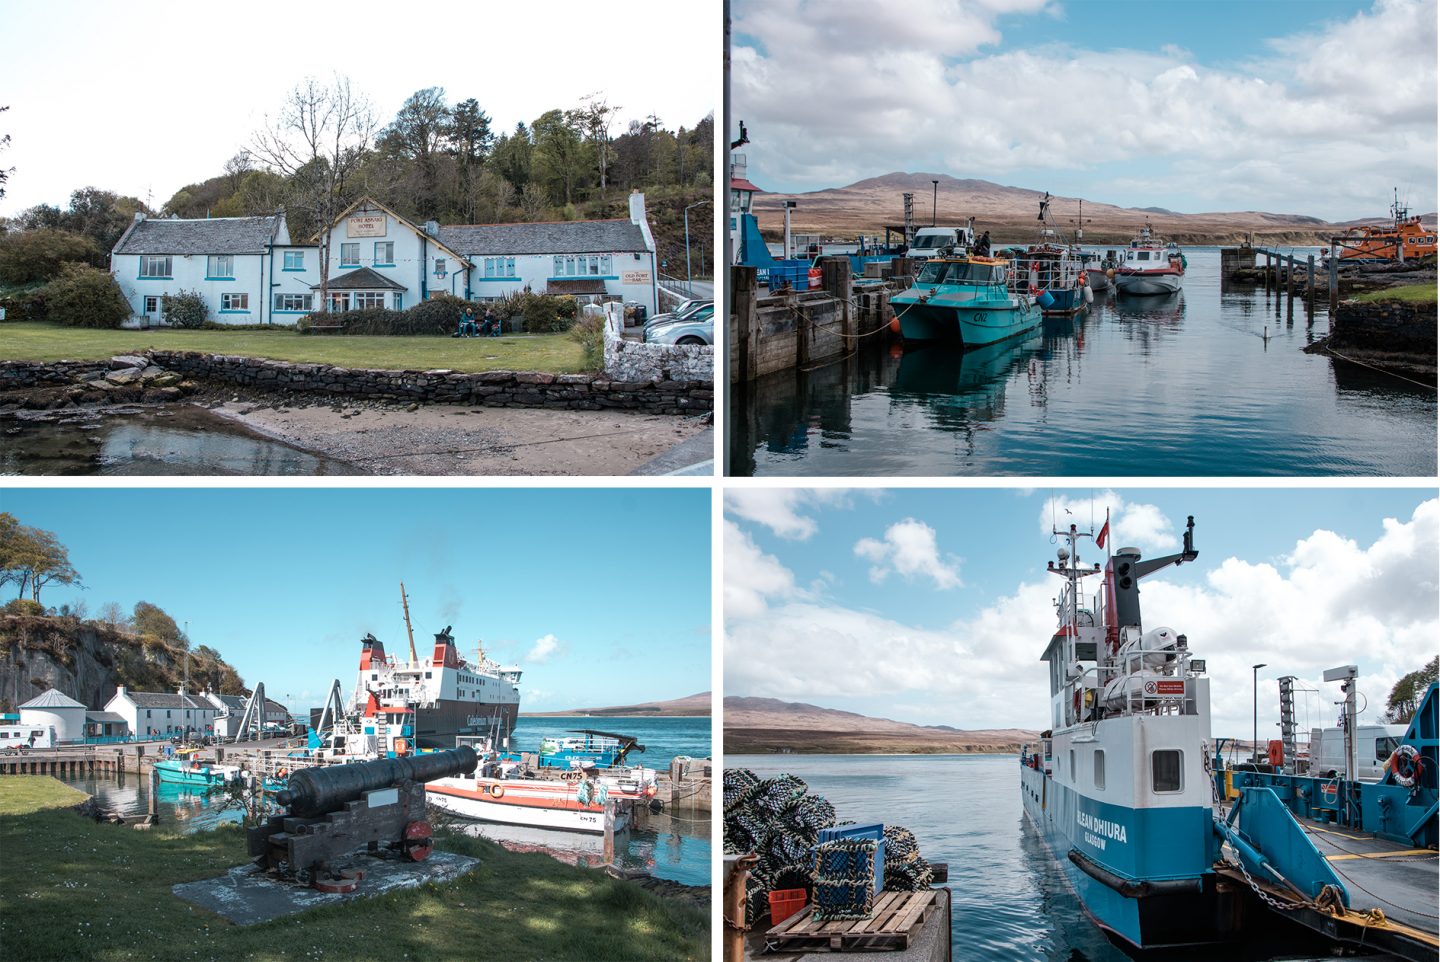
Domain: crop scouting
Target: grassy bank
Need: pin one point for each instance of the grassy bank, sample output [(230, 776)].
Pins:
[(549, 353), (71, 889), (1408, 293)]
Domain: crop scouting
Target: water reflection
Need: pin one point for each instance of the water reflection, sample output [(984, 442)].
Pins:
[(182, 440)]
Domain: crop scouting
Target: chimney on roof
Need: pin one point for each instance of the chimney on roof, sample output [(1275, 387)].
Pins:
[(637, 207), (139, 216), (432, 228)]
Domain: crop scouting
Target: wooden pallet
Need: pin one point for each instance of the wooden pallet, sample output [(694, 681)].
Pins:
[(896, 917)]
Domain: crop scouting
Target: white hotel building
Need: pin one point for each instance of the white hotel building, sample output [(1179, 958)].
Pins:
[(249, 272)]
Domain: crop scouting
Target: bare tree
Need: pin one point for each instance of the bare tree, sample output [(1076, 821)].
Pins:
[(237, 167), (319, 141), (595, 116)]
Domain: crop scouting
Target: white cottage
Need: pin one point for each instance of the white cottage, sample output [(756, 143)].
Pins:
[(245, 268), (380, 259), (161, 714), (54, 710), (232, 709)]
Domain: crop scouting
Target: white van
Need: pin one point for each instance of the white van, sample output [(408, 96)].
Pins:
[(930, 241), (1374, 745), (22, 738)]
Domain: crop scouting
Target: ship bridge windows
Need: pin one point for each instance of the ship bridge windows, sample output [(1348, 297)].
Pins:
[(1166, 767)]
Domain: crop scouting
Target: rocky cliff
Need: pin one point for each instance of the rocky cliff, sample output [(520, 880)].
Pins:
[(86, 660)]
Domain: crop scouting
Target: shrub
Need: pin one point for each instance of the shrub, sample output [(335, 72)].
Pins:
[(590, 332), (25, 302), (86, 297), (185, 309), (23, 606), (548, 314), (39, 255), (438, 315)]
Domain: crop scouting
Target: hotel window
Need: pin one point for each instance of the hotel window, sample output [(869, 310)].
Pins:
[(294, 260), (350, 254), (235, 302), (339, 301), (1165, 770), (155, 266), (1099, 769), (385, 253), (399, 302), (220, 267), (293, 302), (499, 267), (368, 299), (440, 267), (152, 304)]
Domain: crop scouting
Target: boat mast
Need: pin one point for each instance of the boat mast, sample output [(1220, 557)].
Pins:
[(405, 605)]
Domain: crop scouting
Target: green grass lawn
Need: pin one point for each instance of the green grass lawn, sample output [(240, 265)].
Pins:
[(550, 353), (1409, 293), (74, 890)]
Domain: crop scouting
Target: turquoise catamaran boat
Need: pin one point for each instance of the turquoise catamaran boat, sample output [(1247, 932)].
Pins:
[(964, 297), (189, 770)]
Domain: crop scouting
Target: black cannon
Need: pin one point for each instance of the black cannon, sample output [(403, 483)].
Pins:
[(346, 809)]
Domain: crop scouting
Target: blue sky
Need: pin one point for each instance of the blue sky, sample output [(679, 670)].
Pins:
[(934, 606), (1273, 105), (602, 596)]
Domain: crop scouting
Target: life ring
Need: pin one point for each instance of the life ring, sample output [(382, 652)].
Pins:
[(1404, 765), (497, 790), (1034, 290), (1034, 267)]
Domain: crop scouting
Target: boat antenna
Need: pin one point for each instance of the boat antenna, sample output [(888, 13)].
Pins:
[(405, 605)]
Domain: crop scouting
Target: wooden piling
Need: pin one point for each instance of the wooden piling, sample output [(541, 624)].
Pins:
[(609, 855), (1310, 284), (1267, 272), (835, 278), (152, 817), (742, 300), (1290, 283), (732, 914)]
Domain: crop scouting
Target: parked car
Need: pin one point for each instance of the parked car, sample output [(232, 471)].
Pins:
[(697, 328), (684, 311)]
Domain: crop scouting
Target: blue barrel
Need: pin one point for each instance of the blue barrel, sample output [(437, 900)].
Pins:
[(1046, 300)]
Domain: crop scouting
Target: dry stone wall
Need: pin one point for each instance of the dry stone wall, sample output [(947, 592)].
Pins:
[(634, 361)]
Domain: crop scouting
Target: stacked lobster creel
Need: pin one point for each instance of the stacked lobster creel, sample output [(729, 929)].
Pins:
[(778, 820)]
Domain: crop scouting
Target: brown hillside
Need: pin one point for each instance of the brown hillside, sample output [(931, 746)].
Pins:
[(691, 705), (766, 725)]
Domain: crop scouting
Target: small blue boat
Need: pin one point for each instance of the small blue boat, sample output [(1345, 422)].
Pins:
[(967, 298), (196, 773)]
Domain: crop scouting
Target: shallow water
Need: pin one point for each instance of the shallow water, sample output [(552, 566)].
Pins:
[(1010, 901), (177, 440), (1204, 382)]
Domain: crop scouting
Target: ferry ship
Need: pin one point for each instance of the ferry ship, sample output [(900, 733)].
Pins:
[(1379, 243), (1150, 266), (447, 695), (1117, 787)]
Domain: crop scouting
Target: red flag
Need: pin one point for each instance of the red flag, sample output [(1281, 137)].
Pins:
[(1104, 532)]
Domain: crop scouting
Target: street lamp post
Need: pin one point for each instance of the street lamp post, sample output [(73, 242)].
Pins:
[(934, 200), (687, 236), (1255, 709)]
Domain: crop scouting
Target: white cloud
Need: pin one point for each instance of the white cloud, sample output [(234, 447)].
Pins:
[(783, 510), (1143, 526), (542, 649), (909, 549), (751, 576), (1327, 123), (1330, 601)]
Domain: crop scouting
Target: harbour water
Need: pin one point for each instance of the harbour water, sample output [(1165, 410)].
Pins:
[(177, 440), (675, 845), (1202, 383), (1011, 902)]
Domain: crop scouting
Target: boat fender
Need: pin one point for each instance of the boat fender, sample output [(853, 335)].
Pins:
[(1132, 889), (497, 790), (1089, 295), (1404, 765)]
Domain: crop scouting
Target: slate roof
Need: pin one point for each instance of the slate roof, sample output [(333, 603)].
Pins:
[(211, 235), (157, 699), (564, 237), (54, 698), (361, 279), (103, 716), (592, 285)]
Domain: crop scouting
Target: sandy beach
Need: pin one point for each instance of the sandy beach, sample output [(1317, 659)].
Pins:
[(460, 440)]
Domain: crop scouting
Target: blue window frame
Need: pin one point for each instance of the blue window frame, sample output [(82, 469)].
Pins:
[(220, 267), (384, 253), (350, 254), (294, 260), (234, 303), (399, 301), (293, 303), (155, 267)]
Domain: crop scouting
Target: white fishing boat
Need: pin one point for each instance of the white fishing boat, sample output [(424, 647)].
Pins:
[(1150, 266), (575, 804)]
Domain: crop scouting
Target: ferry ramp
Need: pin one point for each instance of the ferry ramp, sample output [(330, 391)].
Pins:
[(1401, 881)]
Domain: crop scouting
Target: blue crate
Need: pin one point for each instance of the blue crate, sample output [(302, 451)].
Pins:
[(875, 832)]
